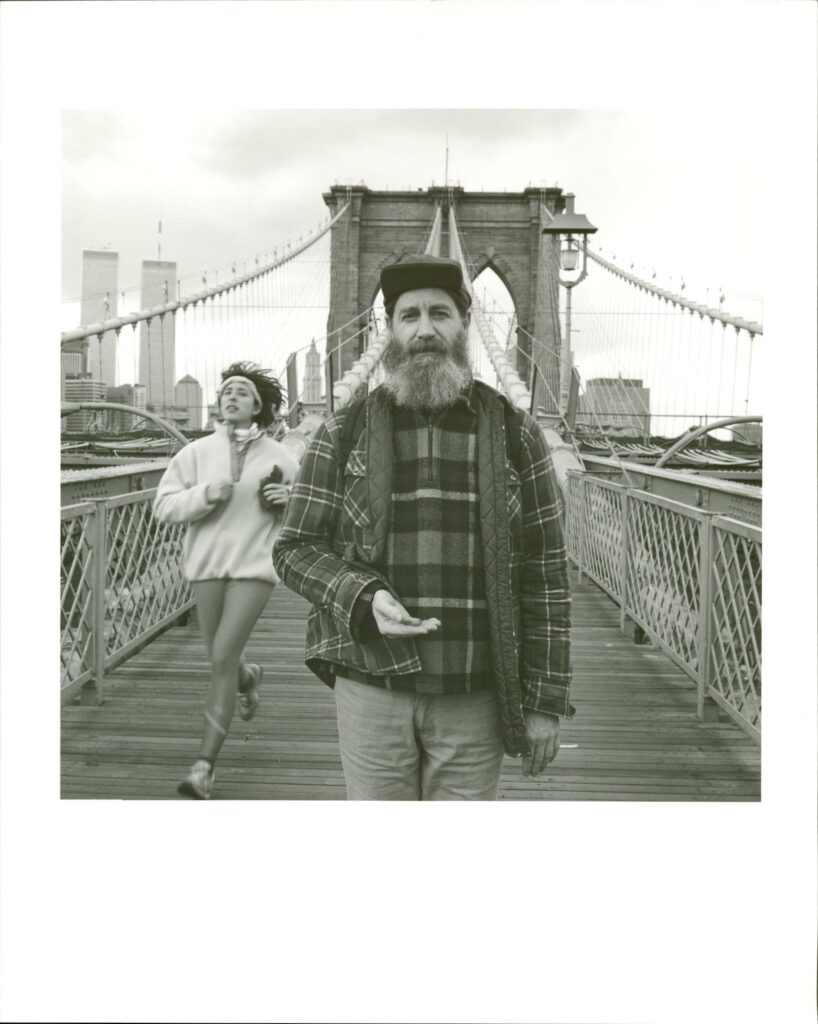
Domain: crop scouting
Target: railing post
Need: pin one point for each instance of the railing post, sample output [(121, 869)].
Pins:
[(623, 561), (92, 692), (705, 618), (82, 614), (582, 527)]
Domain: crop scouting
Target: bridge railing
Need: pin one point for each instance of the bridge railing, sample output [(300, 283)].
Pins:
[(691, 579), (121, 582)]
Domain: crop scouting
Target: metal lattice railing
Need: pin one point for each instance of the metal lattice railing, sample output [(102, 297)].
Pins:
[(122, 582), (76, 595), (574, 494), (690, 579), (663, 584), (733, 668), (603, 544)]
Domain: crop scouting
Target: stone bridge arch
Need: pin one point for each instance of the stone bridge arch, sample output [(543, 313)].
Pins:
[(507, 273), (498, 229)]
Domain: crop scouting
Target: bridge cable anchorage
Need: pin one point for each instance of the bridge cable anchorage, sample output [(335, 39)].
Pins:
[(115, 323)]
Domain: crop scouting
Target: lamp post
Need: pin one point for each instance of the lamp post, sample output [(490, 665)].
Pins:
[(570, 227)]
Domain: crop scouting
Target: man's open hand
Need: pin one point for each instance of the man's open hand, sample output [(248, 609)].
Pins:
[(543, 734), (394, 620)]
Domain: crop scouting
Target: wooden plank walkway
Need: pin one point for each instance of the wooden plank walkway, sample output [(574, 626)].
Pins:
[(636, 732)]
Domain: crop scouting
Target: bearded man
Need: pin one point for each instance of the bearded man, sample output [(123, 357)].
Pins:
[(435, 565)]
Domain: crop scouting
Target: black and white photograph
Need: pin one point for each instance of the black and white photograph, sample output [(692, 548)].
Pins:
[(416, 364), (596, 597)]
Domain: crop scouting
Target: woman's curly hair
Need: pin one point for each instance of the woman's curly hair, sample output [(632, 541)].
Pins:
[(269, 389)]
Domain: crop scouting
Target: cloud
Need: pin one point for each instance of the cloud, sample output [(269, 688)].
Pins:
[(92, 135), (357, 144), (231, 184)]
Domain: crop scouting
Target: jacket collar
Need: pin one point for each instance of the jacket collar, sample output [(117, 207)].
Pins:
[(469, 396), (221, 428)]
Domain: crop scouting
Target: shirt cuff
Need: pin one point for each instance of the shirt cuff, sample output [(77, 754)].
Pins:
[(363, 626), (550, 698)]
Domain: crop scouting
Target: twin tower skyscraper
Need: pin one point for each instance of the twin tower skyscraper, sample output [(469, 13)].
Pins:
[(96, 360)]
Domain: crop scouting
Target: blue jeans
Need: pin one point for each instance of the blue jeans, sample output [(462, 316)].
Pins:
[(407, 746)]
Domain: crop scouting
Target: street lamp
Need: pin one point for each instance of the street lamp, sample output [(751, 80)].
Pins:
[(570, 227)]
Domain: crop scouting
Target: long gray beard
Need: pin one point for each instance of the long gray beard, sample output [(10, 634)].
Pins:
[(427, 384)]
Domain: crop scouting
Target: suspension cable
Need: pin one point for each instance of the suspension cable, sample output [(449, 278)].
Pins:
[(116, 323), (677, 299)]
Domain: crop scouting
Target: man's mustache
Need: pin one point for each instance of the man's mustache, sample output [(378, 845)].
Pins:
[(430, 345)]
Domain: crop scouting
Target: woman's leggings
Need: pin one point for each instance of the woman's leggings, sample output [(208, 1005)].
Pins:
[(228, 610)]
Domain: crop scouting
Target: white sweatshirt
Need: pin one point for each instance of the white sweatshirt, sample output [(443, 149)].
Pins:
[(232, 539)]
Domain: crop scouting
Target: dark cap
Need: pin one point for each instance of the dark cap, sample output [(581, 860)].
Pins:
[(423, 272)]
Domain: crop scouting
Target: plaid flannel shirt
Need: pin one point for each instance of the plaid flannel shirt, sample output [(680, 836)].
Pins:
[(326, 545), (433, 553)]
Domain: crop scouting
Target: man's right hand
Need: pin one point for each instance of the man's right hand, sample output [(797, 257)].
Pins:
[(219, 492), (394, 620)]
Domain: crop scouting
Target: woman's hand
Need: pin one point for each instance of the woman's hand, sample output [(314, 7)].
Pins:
[(219, 492), (275, 495)]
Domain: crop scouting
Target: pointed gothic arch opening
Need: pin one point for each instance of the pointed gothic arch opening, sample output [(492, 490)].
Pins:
[(500, 315), (498, 304)]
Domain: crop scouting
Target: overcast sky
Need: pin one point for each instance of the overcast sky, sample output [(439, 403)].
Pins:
[(227, 185)]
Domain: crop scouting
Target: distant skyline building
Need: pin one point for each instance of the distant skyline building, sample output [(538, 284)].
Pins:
[(127, 394), (212, 416), (621, 404), (100, 268), (74, 359), (748, 433), (312, 376), (157, 338), (84, 389), (71, 363), (311, 391), (188, 395)]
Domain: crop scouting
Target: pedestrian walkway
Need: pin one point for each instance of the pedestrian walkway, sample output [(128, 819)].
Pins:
[(635, 735)]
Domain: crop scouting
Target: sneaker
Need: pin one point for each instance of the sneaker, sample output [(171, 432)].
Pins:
[(250, 698), (199, 782)]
